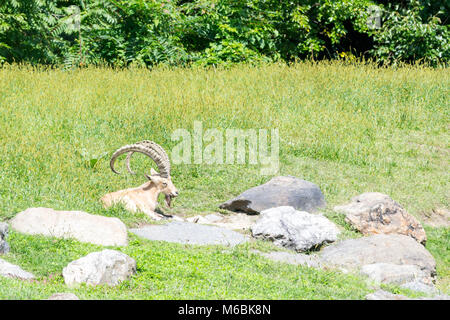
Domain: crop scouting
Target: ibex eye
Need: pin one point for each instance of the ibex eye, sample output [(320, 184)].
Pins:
[(164, 184)]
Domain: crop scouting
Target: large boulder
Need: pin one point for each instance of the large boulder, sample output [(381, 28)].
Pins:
[(297, 230), (80, 225), (4, 247), (393, 249), (108, 267), (10, 270), (190, 233), (279, 191), (376, 213)]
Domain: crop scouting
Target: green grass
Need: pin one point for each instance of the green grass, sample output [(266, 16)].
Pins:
[(348, 128)]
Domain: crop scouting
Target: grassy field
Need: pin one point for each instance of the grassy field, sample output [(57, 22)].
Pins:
[(348, 128)]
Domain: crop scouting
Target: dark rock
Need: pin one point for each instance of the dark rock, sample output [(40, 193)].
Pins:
[(279, 191)]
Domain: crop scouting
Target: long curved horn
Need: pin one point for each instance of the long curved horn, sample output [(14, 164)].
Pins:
[(152, 150), (152, 145)]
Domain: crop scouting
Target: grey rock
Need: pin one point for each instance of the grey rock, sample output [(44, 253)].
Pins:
[(307, 260), (190, 233), (375, 213), (393, 249), (279, 191), (63, 296), (4, 247), (419, 286), (79, 225), (394, 273), (296, 230), (10, 270), (104, 267)]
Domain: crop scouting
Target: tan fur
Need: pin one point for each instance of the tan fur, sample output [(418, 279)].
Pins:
[(143, 198)]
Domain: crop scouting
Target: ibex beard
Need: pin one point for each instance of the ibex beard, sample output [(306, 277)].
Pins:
[(145, 197)]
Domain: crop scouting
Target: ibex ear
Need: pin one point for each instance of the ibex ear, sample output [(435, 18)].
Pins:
[(153, 172)]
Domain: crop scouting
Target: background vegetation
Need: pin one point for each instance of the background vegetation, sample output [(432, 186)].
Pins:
[(349, 128), (214, 32)]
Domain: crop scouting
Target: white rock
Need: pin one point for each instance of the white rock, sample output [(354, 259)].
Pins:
[(298, 230), (80, 225), (10, 270), (104, 267)]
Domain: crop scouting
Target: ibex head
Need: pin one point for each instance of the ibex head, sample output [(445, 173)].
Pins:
[(162, 180)]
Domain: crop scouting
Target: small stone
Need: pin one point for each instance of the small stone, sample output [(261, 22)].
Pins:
[(10, 270), (296, 230), (104, 267)]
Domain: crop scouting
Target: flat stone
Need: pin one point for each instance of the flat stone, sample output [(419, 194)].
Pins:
[(279, 191), (4, 247), (108, 267), (393, 249), (190, 233), (307, 260), (394, 273), (376, 213), (63, 296), (292, 229), (234, 221), (79, 225), (10, 270)]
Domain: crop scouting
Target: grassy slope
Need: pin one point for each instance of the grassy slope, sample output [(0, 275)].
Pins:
[(349, 129)]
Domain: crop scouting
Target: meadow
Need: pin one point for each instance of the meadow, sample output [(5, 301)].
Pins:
[(349, 128)]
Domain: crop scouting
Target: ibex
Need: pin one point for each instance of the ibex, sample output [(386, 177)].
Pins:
[(145, 197)]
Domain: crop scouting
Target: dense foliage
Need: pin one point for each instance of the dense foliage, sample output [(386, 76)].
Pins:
[(212, 32)]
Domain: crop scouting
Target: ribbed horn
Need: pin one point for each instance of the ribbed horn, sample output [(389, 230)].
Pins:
[(154, 146), (152, 150)]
